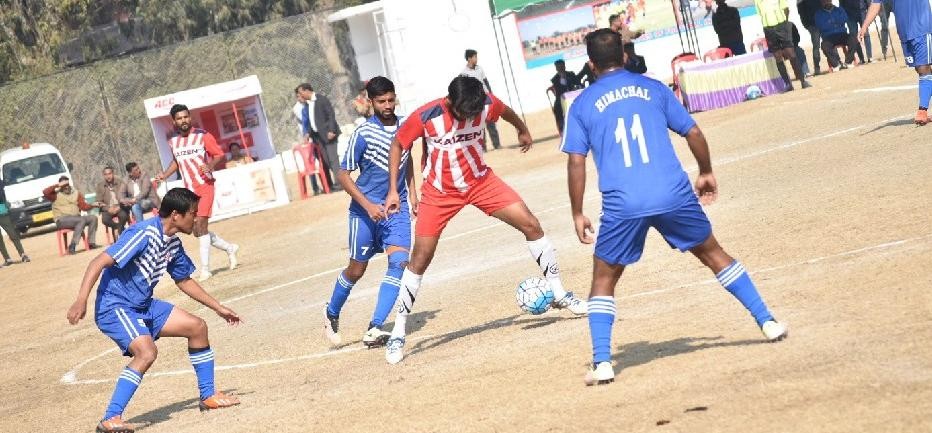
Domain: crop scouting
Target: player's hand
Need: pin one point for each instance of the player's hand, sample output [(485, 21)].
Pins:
[(706, 188), (229, 315), (392, 203), (331, 136), (376, 212), (62, 184), (861, 34), (413, 201), (159, 178), (76, 312), (204, 169), (584, 229), (525, 141)]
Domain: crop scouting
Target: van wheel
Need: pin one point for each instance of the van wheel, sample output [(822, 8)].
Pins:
[(22, 230)]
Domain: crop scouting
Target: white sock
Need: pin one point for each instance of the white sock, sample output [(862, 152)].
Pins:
[(218, 242), (542, 251), (205, 252), (410, 284)]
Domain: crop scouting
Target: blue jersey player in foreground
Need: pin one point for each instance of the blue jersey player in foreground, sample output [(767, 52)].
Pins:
[(371, 230), (623, 119), (914, 26), (127, 313)]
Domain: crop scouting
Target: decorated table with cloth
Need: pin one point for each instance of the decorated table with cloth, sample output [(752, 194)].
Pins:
[(724, 82)]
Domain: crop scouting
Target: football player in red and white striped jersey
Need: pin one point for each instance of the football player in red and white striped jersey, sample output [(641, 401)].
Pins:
[(455, 176), (196, 153)]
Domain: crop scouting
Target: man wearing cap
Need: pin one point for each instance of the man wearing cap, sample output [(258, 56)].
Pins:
[(67, 204)]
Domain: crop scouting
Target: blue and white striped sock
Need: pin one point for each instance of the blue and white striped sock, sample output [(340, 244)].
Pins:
[(925, 90), (601, 317), (388, 293), (203, 362), (736, 280), (125, 388), (341, 291)]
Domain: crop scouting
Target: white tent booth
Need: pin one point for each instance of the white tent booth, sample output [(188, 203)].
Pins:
[(232, 112)]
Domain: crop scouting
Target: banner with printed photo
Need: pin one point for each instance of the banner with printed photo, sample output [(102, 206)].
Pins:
[(556, 29)]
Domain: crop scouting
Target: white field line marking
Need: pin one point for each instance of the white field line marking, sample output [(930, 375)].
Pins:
[(853, 252), (888, 88), (70, 378)]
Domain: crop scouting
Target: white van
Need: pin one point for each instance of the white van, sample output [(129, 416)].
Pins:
[(26, 171)]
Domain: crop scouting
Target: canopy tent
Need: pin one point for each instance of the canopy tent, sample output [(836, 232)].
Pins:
[(500, 7)]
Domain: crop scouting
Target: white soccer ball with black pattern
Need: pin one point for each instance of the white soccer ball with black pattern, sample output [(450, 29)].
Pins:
[(534, 295)]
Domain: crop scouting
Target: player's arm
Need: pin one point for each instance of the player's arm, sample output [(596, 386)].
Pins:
[(412, 190), (375, 211), (196, 292), (872, 13), (172, 168), (576, 179), (706, 186), (214, 152), (91, 274), (392, 201), (524, 136)]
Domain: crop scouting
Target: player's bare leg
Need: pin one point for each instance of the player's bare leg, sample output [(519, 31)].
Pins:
[(601, 317), (734, 278), (207, 239), (925, 94), (520, 217), (421, 255), (183, 324)]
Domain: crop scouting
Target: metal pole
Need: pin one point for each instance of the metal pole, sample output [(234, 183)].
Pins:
[(512, 70)]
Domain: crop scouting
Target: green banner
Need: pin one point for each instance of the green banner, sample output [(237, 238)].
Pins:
[(515, 5)]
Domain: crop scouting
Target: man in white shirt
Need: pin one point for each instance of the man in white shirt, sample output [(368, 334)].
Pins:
[(473, 69)]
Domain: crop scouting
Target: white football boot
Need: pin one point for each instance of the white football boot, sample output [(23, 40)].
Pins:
[(774, 331), (375, 337), (231, 253), (394, 350), (601, 374), (570, 302), (331, 327)]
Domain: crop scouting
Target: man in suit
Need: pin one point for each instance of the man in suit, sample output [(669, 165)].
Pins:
[(138, 193), (319, 123), (563, 81)]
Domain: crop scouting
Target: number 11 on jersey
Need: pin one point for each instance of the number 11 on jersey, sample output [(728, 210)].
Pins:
[(637, 134)]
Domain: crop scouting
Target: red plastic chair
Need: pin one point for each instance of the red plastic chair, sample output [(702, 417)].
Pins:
[(718, 53), (62, 235), (759, 44), (680, 58), (307, 156)]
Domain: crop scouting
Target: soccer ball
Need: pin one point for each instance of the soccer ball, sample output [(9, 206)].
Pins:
[(534, 295), (753, 92)]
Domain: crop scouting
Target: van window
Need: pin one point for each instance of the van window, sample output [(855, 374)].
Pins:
[(34, 167)]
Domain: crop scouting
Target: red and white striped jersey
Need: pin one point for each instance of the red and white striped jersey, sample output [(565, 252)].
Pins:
[(454, 147), (192, 151)]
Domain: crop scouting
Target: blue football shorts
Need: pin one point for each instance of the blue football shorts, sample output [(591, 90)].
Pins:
[(621, 241), (918, 51), (367, 237), (125, 324)]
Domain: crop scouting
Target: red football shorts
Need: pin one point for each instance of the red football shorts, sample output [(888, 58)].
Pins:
[(205, 205), (436, 209)]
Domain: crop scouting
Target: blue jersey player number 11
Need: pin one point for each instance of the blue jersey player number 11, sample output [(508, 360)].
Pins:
[(621, 114)]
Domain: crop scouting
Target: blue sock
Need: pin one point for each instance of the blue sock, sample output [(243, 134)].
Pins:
[(925, 90), (125, 388), (203, 362), (388, 291), (736, 280), (601, 317), (341, 291)]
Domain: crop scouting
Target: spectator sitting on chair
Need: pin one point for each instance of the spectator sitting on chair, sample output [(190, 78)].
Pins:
[(563, 81), (238, 157), (112, 213), (138, 194), (7, 225), (67, 204), (831, 21), (727, 24)]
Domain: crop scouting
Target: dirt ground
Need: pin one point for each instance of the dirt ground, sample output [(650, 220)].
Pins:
[(825, 197)]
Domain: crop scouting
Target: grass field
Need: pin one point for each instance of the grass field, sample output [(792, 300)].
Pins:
[(825, 198)]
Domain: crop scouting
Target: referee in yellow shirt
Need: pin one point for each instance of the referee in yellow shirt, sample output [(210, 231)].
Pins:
[(774, 15)]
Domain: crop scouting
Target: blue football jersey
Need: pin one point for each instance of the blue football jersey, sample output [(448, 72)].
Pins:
[(142, 254), (913, 18), (623, 118), (368, 152)]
